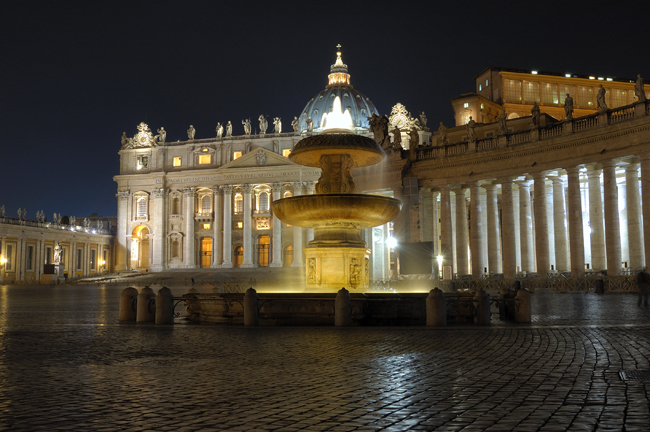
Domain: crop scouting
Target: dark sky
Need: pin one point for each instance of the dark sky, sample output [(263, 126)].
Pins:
[(76, 74)]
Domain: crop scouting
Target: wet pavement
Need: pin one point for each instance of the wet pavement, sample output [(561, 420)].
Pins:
[(66, 364)]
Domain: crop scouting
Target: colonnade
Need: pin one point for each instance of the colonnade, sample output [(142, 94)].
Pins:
[(569, 219)]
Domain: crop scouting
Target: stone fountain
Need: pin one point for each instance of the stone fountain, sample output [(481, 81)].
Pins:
[(337, 257)]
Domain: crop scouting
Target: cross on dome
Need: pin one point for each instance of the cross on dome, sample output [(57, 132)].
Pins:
[(339, 70)]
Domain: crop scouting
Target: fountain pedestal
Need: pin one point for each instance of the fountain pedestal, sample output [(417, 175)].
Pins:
[(331, 268)]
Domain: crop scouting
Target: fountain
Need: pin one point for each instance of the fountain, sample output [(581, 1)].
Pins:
[(337, 257)]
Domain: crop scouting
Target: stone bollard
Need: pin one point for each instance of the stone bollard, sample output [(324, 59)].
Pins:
[(128, 301), (164, 306), (482, 305), (343, 308), (522, 306), (600, 286), (146, 313), (251, 311), (436, 308), (192, 291)]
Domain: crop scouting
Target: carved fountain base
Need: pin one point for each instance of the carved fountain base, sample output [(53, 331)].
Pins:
[(331, 268)]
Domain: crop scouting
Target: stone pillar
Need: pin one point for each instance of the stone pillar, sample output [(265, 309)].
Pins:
[(550, 223), (477, 239), (634, 226), (425, 215), (190, 252), (613, 229), (493, 235), (461, 231), (227, 226), (559, 225), (525, 227), (645, 201), (508, 225), (435, 236), (310, 186), (217, 241), (576, 237), (123, 241), (247, 236), (541, 225), (277, 229), (446, 235), (596, 220), (159, 219), (297, 232)]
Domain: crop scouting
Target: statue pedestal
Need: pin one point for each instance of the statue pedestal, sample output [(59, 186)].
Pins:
[(328, 269)]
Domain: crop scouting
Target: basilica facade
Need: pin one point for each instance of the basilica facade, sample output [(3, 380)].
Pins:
[(526, 194)]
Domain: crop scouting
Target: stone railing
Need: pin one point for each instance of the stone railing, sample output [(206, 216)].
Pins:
[(50, 225), (551, 131), (233, 138), (587, 122), (519, 137), (487, 144), (622, 114)]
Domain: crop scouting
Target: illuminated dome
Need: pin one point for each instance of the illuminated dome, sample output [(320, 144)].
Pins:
[(359, 106)]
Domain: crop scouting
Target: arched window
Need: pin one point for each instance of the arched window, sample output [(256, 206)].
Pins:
[(176, 206), (206, 204), (239, 204), (263, 202), (141, 207)]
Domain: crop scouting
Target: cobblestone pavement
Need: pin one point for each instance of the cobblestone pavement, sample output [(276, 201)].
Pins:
[(65, 364)]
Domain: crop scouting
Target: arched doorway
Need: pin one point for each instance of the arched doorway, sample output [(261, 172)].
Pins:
[(206, 252), (287, 258), (140, 247), (263, 250), (239, 256)]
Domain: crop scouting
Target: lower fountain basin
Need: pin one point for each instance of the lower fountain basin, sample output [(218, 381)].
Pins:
[(314, 211)]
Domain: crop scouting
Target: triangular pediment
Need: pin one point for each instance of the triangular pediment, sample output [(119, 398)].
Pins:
[(259, 157)]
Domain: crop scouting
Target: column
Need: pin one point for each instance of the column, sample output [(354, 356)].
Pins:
[(297, 232), (645, 200), (541, 225), (508, 225), (634, 230), (476, 247), (596, 219), (435, 236), (190, 252), (446, 234), (612, 227), (461, 231), (493, 237), (159, 219), (576, 237), (217, 226), (310, 186), (559, 225), (277, 229), (123, 244), (426, 226), (227, 226), (247, 236), (525, 227)]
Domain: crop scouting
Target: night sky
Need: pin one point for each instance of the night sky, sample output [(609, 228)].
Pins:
[(76, 74)]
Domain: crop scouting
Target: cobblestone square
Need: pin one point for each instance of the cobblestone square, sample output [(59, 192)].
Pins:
[(66, 364)]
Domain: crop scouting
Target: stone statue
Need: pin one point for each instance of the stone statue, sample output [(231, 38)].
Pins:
[(229, 129), (442, 134), (379, 127), (355, 272), (219, 130), (260, 158), (471, 134), (247, 126), (414, 138), (294, 124), (397, 137), (264, 125), (73, 221), (600, 98), (86, 223), (535, 113), (57, 254), (639, 89), (24, 214), (568, 107), (162, 135), (423, 120), (2, 211), (125, 140), (278, 125), (503, 123), (191, 132), (100, 224), (310, 124)]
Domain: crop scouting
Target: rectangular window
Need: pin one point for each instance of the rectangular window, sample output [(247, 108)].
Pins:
[(564, 89), (177, 161), (30, 258), (79, 258), (619, 97), (486, 83), (585, 96), (286, 152), (480, 87), (549, 93), (466, 105), (530, 91), (93, 263), (206, 226), (205, 159), (141, 209), (10, 257), (482, 106), (48, 255), (240, 224), (236, 155), (511, 90), (105, 258)]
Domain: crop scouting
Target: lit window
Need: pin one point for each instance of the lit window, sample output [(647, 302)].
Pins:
[(263, 202), (206, 226), (205, 159), (141, 207), (486, 83), (534, 72), (239, 203), (482, 106), (206, 204), (236, 155), (480, 87), (240, 224), (466, 105), (286, 152), (177, 161)]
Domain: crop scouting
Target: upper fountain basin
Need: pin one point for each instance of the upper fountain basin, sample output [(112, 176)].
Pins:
[(363, 150)]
